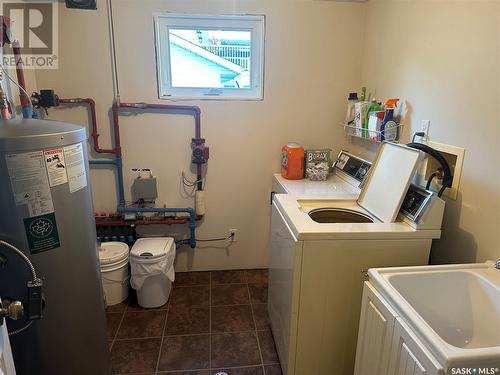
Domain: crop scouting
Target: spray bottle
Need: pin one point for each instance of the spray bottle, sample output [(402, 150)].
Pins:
[(389, 128)]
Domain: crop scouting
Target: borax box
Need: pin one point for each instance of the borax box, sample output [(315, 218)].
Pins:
[(318, 159)]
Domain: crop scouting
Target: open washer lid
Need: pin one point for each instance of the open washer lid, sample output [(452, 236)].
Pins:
[(388, 181)]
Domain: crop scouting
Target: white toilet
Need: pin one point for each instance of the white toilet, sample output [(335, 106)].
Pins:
[(152, 270)]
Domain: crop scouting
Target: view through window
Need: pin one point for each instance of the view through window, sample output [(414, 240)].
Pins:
[(210, 56)]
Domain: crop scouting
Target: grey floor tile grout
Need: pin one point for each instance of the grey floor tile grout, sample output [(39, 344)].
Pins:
[(232, 367), (138, 338), (159, 337), (230, 332), (118, 329), (255, 326), (236, 304), (190, 286), (146, 311), (163, 337)]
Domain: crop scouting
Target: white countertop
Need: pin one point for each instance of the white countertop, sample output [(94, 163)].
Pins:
[(295, 210), (334, 185)]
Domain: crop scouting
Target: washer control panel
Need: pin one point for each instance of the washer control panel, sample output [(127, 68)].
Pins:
[(415, 202), (352, 166)]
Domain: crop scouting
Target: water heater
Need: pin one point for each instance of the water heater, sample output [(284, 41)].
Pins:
[(46, 212)]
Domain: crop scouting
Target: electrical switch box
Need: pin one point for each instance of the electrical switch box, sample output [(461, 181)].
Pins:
[(145, 188)]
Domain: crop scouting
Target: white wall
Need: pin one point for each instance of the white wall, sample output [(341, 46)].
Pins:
[(313, 55), (442, 57)]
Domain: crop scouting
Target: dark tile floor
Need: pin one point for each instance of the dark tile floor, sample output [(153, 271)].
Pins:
[(214, 321)]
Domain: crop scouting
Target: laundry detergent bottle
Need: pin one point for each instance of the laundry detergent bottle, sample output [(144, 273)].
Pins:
[(292, 161)]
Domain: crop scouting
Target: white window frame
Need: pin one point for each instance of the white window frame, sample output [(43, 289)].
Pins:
[(254, 23)]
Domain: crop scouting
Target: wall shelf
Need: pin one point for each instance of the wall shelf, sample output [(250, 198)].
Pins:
[(391, 134)]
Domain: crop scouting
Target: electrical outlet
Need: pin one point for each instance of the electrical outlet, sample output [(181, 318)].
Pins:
[(233, 234), (424, 128)]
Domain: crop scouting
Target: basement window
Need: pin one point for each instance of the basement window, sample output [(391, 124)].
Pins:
[(209, 57)]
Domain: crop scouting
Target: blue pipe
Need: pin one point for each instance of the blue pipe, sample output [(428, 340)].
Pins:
[(102, 162), (27, 112), (191, 211), (119, 170), (121, 205), (121, 188)]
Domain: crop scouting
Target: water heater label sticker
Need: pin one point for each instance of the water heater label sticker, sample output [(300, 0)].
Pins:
[(30, 185), (41, 233), (56, 166), (75, 167)]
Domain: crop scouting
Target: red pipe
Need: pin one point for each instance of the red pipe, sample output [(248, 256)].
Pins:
[(95, 133), (16, 48), (173, 107), (119, 223), (116, 130), (117, 150)]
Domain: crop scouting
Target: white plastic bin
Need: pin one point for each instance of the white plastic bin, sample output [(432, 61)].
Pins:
[(152, 265), (113, 257)]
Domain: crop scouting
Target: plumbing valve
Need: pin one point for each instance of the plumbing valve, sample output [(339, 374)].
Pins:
[(13, 310), (45, 99), (200, 151)]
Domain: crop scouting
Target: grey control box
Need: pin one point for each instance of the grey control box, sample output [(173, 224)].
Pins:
[(145, 188)]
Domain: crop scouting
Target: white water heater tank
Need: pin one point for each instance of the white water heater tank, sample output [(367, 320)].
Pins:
[(46, 211)]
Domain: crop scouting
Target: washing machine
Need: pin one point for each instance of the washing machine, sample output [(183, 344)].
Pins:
[(321, 249), (349, 171)]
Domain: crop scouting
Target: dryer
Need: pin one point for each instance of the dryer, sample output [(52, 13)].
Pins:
[(321, 249)]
